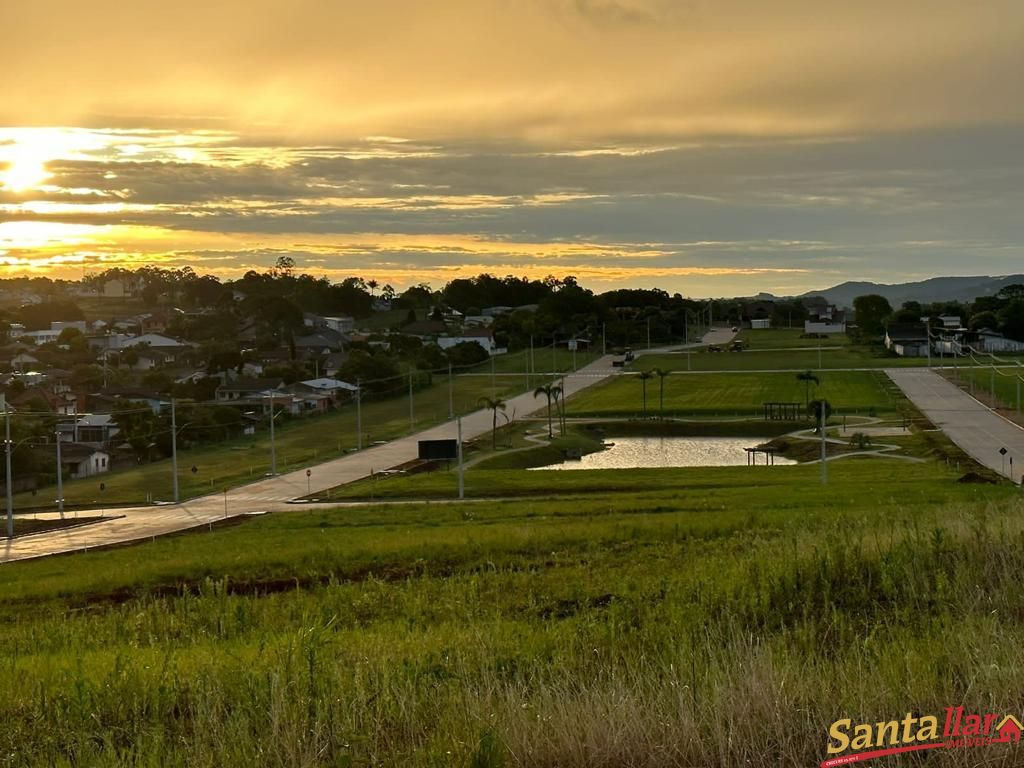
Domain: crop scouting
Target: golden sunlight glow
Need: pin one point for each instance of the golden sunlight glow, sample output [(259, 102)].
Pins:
[(26, 167)]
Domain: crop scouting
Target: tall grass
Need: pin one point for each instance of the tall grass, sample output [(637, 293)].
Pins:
[(715, 626)]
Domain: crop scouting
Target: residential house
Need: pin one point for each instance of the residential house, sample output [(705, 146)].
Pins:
[(321, 342), (328, 386), (96, 430), (427, 330), (57, 396), (339, 323), (84, 460), (993, 342), (23, 360), (114, 398), (907, 339), (247, 389), (482, 336)]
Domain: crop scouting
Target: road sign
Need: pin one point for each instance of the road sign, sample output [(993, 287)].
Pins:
[(309, 472), (194, 469), (1002, 451)]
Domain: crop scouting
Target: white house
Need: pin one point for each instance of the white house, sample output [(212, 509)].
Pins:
[(991, 341), (341, 323), (825, 326), (40, 337), (482, 336), (156, 340), (84, 460), (328, 386)]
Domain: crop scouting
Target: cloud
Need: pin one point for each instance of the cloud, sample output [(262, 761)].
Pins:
[(563, 71)]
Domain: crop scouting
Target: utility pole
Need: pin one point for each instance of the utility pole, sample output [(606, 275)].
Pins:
[(451, 392), (412, 413), (174, 450), (554, 346), (273, 444), (604, 338), (359, 414), (492, 372), (462, 487), (60, 477), (648, 333), (821, 422), (10, 480), (531, 366)]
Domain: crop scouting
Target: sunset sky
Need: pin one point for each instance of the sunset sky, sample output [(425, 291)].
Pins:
[(710, 147)]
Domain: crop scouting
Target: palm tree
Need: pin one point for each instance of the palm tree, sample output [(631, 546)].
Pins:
[(494, 404), (548, 390), (807, 377), (644, 376), (661, 373), (560, 402)]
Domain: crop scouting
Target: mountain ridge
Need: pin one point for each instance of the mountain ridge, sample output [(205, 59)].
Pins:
[(934, 289)]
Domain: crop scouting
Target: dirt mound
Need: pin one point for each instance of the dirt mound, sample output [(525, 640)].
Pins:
[(974, 477)]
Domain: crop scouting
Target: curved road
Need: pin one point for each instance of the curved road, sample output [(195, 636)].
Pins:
[(273, 494)]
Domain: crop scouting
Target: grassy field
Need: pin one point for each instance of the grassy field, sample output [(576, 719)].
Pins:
[(774, 359), (731, 394), (302, 442), (980, 382), (786, 338), (703, 621)]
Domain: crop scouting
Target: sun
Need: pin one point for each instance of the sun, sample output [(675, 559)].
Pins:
[(26, 167)]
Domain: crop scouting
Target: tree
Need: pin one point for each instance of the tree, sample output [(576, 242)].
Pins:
[(559, 392), (284, 267), (1011, 320), (661, 373), (985, 319), (644, 377), (466, 353), (807, 377), (872, 311), (548, 390), (1011, 292), (815, 409), (494, 404)]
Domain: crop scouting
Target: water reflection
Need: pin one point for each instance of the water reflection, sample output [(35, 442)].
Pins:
[(632, 452)]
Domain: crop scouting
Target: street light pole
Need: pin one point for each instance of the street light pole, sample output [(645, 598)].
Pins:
[(60, 477), (273, 445), (174, 450), (359, 414), (824, 457), (462, 487), (412, 412), (10, 494)]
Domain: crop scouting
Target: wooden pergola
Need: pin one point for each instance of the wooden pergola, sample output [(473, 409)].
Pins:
[(769, 455), (782, 411)]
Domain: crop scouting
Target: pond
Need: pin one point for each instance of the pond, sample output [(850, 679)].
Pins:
[(633, 452)]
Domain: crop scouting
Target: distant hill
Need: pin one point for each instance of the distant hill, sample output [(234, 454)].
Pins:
[(924, 291)]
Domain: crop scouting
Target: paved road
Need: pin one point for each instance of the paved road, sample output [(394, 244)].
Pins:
[(974, 427), (273, 494)]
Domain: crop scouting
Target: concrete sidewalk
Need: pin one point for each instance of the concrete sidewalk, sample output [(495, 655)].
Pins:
[(974, 427)]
